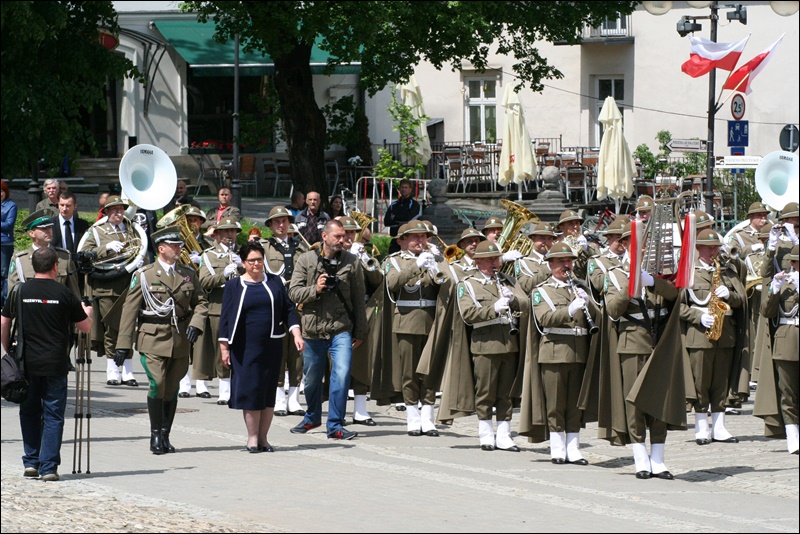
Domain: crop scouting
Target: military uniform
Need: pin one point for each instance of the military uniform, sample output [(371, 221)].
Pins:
[(161, 333), (635, 344), (531, 271), (711, 360), (21, 269), (776, 258), (104, 291), (414, 293), (781, 305), (597, 270), (495, 351)]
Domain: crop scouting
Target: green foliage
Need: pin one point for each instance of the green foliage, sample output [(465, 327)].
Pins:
[(340, 116), (408, 126), (388, 167), (746, 193), (660, 164), (382, 242), (54, 70), (261, 130)]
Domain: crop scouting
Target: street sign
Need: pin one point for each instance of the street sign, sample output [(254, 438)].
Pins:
[(737, 106), (789, 138), (738, 133), (739, 162), (737, 151), (687, 145)]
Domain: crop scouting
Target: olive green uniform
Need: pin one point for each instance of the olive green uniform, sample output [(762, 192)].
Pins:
[(782, 309), (531, 271), (21, 269)]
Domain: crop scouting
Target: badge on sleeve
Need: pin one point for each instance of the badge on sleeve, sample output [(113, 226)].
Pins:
[(591, 267), (517, 269), (605, 284), (13, 266), (386, 267), (461, 290), (537, 298), (133, 281)]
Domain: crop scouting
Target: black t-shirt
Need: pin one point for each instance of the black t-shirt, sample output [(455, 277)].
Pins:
[(48, 310)]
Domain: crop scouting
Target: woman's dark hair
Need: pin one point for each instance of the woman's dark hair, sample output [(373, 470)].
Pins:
[(249, 247), (4, 187), (330, 203)]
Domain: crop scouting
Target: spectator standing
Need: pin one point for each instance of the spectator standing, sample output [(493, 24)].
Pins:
[(181, 192), (223, 210), (48, 310), (7, 222), (401, 211), (312, 220), (101, 201), (50, 202), (337, 207), (249, 303), (68, 228), (297, 203)]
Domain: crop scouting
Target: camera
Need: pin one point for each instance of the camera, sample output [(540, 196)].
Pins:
[(331, 267), (84, 261)]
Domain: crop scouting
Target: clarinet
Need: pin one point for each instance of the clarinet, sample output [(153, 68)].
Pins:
[(512, 329), (592, 327)]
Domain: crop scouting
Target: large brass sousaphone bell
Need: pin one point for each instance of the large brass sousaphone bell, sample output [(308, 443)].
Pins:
[(777, 179), (148, 177)]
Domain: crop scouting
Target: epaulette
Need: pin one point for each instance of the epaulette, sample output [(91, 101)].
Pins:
[(22, 253)]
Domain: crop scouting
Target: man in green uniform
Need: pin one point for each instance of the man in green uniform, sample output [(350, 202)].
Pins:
[(534, 269), (168, 305), (468, 242), (487, 302), (568, 230), (612, 257), (558, 307)]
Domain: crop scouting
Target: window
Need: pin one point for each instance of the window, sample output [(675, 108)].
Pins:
[(617, 26), (614, 87), (481, 122)]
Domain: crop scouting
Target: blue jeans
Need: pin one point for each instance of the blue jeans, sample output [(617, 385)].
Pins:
[(41, 418), (315, 358), (6, 253)]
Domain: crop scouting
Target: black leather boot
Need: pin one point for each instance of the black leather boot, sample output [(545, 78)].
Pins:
[(155, 409), (169, 416)]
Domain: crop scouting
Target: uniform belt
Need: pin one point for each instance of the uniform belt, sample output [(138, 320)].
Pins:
[(152, 319), (640, 316), (421, 303), (705, 310), (575, 331), (789, 320), (497, 320)]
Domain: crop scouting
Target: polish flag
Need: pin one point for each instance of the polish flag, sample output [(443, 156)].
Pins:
[(706, 55), (743, 77), (637, 247)]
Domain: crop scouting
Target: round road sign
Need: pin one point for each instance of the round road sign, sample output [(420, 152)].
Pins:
[(790, 137), (737, 106)]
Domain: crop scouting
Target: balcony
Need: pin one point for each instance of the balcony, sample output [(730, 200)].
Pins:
[(612, 32)]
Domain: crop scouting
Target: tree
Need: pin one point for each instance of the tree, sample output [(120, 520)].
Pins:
[(389, 39), (53, 69)]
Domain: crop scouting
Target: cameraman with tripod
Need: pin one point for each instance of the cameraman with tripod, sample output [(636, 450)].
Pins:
[(329, 285)]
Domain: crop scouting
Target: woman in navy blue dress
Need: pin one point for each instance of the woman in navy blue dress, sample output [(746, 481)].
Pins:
[(256, 314)]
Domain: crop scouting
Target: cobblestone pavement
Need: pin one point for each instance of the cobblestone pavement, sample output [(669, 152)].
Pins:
[(378, 481)]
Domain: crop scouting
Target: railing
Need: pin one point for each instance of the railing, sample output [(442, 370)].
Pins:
[(621, 27)]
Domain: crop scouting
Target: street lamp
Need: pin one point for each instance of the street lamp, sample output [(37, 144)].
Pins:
[(688, 24)]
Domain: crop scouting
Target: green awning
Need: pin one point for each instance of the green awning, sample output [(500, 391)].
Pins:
[(194, 41)]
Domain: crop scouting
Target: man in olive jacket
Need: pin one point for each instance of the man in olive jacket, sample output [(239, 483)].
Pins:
[(329, 285)]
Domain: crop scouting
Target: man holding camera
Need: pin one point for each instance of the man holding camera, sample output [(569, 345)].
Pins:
[(329, 285)]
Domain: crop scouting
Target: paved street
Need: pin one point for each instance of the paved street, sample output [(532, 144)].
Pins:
[(383, 480)]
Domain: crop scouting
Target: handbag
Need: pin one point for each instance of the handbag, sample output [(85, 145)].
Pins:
[(13, 384)]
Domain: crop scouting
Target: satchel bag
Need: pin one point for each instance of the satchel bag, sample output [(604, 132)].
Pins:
[(13, 384)]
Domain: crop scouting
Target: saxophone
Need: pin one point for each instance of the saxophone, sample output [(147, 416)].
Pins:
[(716, 306)]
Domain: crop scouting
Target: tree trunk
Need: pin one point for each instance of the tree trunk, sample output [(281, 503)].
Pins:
[(303, 123)]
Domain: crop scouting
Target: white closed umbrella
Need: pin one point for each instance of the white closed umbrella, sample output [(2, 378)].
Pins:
[(517, 163), (412, 97), (615, 166)]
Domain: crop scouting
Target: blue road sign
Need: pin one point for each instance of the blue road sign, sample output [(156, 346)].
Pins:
[(737, 151), (738, 133)]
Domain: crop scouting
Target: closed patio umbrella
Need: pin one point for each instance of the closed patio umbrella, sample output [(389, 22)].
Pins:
[(517, 162), (412, 97), (615, 166)]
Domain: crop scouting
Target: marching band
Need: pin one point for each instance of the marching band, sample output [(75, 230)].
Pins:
[(577, 333)]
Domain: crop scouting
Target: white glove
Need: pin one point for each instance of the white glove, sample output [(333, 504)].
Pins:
[(236, 259), (507, 293), (433, 249), (722, 292), (707, 320), (790, 231), (512, 255), (647, 279), (777, 283), (501, 305), (229, 270), (580, 293), (774, 234), (423, 259), (116, 246), (357, 248), (584, 244), (794, 277), (195, 257), (757, 247), (576, 305)]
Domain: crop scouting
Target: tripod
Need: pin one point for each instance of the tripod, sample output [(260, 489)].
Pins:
[(83, 398)]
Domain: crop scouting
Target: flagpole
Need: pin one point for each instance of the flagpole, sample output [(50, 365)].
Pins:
[(712, 111), (733, 91)]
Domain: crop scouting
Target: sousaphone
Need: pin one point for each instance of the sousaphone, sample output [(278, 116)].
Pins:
[(777, 179)]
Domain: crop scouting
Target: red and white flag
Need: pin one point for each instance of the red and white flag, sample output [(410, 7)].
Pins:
[(742, 79), (637, 248), (706, 55)]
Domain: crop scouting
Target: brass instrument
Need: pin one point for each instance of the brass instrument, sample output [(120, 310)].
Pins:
[(511, 317), (753, 262), (592, 327), (368, 260), (453, 253), (127, 259), (177, 217), (658, 257), (716, 306), (509, 238)]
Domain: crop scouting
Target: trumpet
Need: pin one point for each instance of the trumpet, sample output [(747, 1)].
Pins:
[(436, 274), (592, 327), (510, 316)]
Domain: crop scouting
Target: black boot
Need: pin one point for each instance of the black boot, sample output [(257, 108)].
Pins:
[(155, 408), (169, 416)]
